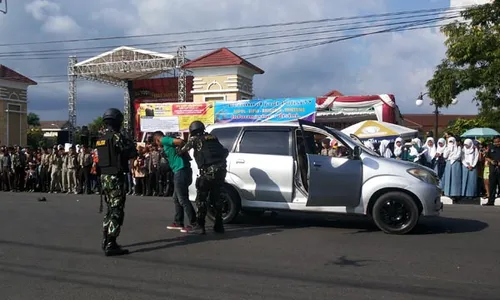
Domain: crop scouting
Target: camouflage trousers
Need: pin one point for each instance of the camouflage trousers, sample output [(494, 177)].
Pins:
[(208, 190), (114, 193)]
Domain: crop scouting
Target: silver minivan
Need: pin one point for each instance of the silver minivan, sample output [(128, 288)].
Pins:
[(276, 167)]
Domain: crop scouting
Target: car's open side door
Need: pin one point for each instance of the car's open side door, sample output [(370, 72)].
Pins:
[(332, 181)]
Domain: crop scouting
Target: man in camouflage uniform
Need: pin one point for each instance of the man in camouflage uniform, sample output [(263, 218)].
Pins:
[(210, 156), (114, 150)]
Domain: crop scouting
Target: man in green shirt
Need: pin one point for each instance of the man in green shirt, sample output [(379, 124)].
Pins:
[(183, 177)]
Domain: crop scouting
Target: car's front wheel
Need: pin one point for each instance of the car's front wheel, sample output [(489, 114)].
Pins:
[(395, 213), (230, 208)]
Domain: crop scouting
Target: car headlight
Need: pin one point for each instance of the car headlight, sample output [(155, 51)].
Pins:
[(424, 175)]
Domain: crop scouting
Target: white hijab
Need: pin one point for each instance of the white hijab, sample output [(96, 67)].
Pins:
[(415, 142), (384, 149), (431, 150), (369, 145), (470, 156), (398, 150), (453, 152), (441, 149)]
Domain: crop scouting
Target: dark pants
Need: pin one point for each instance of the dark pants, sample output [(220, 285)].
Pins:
[(166, 181), (140, 186), (182, 180), (19, 178), (6, 183), (208, 186), (85, 184), (44, 179), (494, 185), (154, 181)]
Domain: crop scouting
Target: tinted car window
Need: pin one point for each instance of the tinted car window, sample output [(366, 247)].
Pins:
[(226, 136), (265, 142)]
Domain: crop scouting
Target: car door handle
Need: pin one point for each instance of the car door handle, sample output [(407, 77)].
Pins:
[(316, 164), (240, 161)]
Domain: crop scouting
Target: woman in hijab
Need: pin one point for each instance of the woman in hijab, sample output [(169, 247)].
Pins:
[(416, 151), (430, 154), (384, 149), (398, 148), (470, 157), (369, 145), (440, 161), (453, 171)]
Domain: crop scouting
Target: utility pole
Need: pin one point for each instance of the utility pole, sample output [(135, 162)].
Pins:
[(4, 9)]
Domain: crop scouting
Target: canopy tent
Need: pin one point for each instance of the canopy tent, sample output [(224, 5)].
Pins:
[(380, 107), (376, 131), (480, 132)]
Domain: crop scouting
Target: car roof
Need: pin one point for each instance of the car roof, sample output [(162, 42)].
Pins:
[(253, 124)]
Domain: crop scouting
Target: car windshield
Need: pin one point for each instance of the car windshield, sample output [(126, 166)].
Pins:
[(353, 142)]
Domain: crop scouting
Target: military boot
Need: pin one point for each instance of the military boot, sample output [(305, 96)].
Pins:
[(113, 249), (199, 227), (219, 225)]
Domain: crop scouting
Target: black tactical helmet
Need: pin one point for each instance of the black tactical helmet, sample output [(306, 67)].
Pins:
[(196, 127), (113, 114)]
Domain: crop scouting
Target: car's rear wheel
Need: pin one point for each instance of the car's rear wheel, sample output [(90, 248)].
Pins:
[(231, 205), (395, 213)]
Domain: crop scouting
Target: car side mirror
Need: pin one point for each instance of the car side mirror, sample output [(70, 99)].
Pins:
[(356, 152)]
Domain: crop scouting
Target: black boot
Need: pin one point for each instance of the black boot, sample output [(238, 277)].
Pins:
[(198, 227), (113, 249), (219, 225)]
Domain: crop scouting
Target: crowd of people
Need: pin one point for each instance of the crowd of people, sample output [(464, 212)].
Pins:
[(75, 170), (466, 169), (463, 167)]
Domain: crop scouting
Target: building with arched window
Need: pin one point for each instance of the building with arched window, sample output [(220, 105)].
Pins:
[(13, 107)]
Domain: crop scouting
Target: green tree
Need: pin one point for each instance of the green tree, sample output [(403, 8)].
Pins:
[(95, 126), (33, 120), (472, 59), (35, 138)]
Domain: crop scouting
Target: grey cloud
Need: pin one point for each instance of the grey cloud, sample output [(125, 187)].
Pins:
[(377, 64)]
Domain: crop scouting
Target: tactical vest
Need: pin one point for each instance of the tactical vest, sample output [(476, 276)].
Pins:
[(109, 157), (212, 152)]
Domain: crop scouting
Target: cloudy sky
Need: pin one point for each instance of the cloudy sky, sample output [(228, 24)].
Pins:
[(399, 63)]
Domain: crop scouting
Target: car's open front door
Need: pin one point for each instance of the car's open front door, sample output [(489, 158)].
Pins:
[(332, 181)]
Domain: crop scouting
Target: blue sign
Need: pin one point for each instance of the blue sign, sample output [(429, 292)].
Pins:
[(267, 110)]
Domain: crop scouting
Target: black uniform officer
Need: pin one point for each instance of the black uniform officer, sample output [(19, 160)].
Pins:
[(114, 150), (493, 157), (210, 156)]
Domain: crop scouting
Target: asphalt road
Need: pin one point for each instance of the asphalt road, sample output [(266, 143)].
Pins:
[(51, 250)]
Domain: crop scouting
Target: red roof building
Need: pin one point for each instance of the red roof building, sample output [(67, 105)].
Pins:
[(8, 74), (14, 106), (222, 57), (222, 75)]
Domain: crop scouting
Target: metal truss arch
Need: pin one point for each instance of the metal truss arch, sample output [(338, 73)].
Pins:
[(119, 66)]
